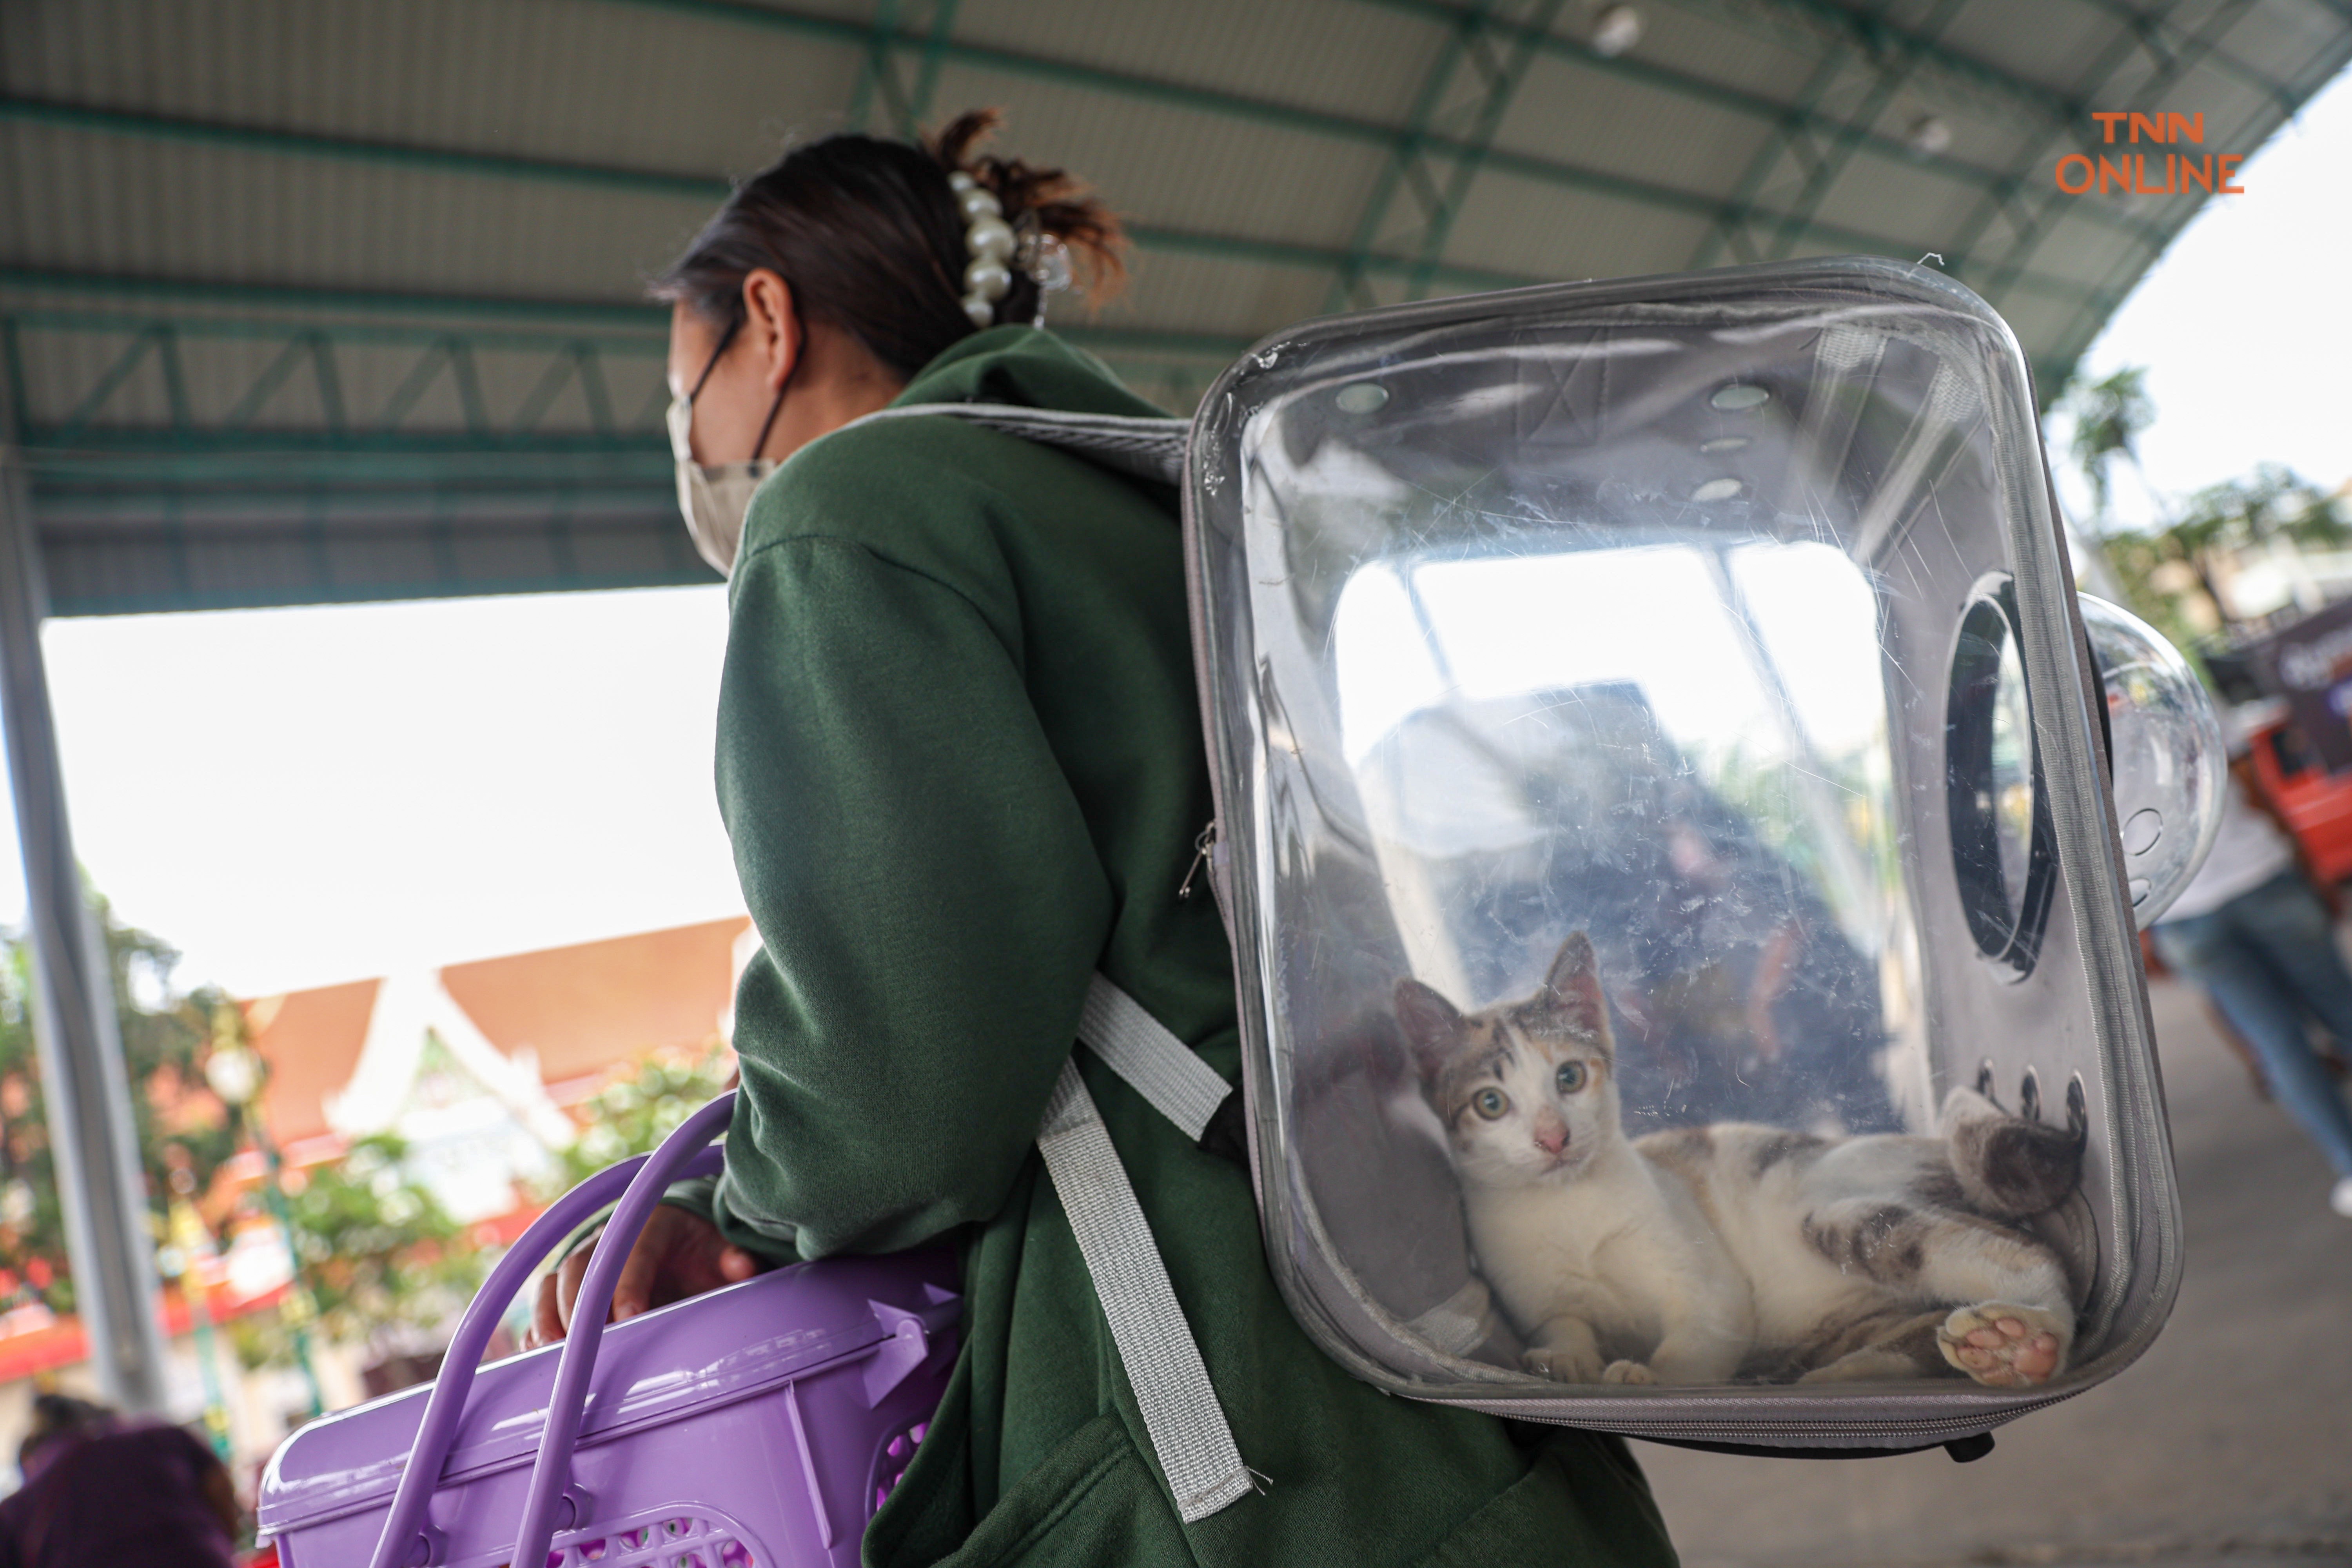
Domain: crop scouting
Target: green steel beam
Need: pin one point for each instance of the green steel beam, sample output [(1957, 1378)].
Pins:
[(1503, 83), (274, 375), (382, 455), (682, 575), (1500, 81), (1875, 35), (1893, 72), (438, 352), (1348, 289), (1804, 114), (1467, 41), (837, 30), (1793, 137), (175, 380), (1151, 236), (934, 57), (110, 380), (935, 47), (229, 492), (647, 318), (876, 72), (525, 341), (27, 109), (2147, 28), (1319, 258), (314, 345), (324, 378), (904, 109), (12, 380), (1348, 128), (1559, 174), (303, 298)]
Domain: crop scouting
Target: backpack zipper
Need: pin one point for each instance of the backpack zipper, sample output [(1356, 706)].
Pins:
[(1200, 847)]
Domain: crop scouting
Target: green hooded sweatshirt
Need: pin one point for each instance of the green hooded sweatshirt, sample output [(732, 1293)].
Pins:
[(961, 760)]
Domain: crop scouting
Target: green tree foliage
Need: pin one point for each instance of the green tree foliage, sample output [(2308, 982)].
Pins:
[(644, 1105), (2137, 560), (2220, 523), (2217, 523), (374, 1247), (165, 1033), (377, 1250), (2240, 514)]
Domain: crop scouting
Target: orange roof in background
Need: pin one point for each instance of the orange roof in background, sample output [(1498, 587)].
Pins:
[(587, 1007), (312, 1040), (580, 1008)]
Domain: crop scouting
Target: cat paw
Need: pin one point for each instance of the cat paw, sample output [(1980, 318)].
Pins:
[(1628, 1372), (2005, 1346), (1562, 1365)]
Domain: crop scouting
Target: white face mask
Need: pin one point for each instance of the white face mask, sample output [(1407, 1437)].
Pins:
[(712, 496)]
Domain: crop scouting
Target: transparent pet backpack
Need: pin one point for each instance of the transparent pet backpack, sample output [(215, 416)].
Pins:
[(1714, 639), (1697, 657)]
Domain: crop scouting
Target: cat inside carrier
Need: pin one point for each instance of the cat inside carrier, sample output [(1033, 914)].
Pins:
[(1683, 837)]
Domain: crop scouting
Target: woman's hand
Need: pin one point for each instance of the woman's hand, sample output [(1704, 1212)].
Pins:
[(677, 1254)]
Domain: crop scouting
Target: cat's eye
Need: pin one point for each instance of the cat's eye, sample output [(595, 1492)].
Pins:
[(1570, 1076), (1490, 1103)]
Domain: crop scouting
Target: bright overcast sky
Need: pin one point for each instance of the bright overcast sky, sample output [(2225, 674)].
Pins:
[(295, 797)]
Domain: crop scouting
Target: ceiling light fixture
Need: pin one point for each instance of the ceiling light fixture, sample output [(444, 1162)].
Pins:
[(1616, 30)]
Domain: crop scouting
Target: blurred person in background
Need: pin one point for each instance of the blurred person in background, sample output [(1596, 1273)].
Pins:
[(961, 764), (2255, 928), (101, 1490)]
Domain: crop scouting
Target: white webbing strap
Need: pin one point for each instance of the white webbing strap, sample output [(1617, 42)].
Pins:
[(1155, 1063), (1187, 1426)]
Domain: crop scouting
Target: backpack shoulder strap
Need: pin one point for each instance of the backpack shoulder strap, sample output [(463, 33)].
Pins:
[(1187, 1426), (1146, 449), (1155, 1063)]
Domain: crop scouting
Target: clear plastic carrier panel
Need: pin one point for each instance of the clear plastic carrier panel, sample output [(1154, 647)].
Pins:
[(1687, 957)]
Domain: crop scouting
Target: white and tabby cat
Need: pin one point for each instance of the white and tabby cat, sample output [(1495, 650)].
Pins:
[(1706, 1254)]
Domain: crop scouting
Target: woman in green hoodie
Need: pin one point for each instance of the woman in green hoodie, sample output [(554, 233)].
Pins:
[(961, 762)]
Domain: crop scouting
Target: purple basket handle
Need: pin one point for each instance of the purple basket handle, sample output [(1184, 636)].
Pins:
[(567, 1402), (405, 1542)]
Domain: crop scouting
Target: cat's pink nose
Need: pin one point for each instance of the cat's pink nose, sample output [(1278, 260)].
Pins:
[(1551, 1136)]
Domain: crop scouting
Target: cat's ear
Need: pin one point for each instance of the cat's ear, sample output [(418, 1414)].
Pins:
[(1572, 987), (1431, 1025)]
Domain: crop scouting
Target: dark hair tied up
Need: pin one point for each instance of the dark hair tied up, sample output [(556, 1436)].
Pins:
[(871, 237)]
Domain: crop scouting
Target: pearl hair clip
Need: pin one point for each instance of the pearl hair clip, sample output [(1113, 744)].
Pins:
[(993, 245)]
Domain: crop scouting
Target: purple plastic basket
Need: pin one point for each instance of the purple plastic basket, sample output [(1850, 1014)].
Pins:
[(756, 1427)]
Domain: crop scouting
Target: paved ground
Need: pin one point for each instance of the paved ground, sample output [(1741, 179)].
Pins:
[(2230, 1442)]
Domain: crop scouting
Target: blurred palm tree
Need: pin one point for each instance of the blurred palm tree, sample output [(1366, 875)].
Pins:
[(2217, 523), (2109, 415)]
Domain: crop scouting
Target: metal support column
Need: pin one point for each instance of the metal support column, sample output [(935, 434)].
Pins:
[(91, 1134)]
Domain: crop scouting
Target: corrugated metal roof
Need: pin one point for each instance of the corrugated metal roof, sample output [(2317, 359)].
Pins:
[(332, 298)]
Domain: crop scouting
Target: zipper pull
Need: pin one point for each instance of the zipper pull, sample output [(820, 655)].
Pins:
[(1200, 848)]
